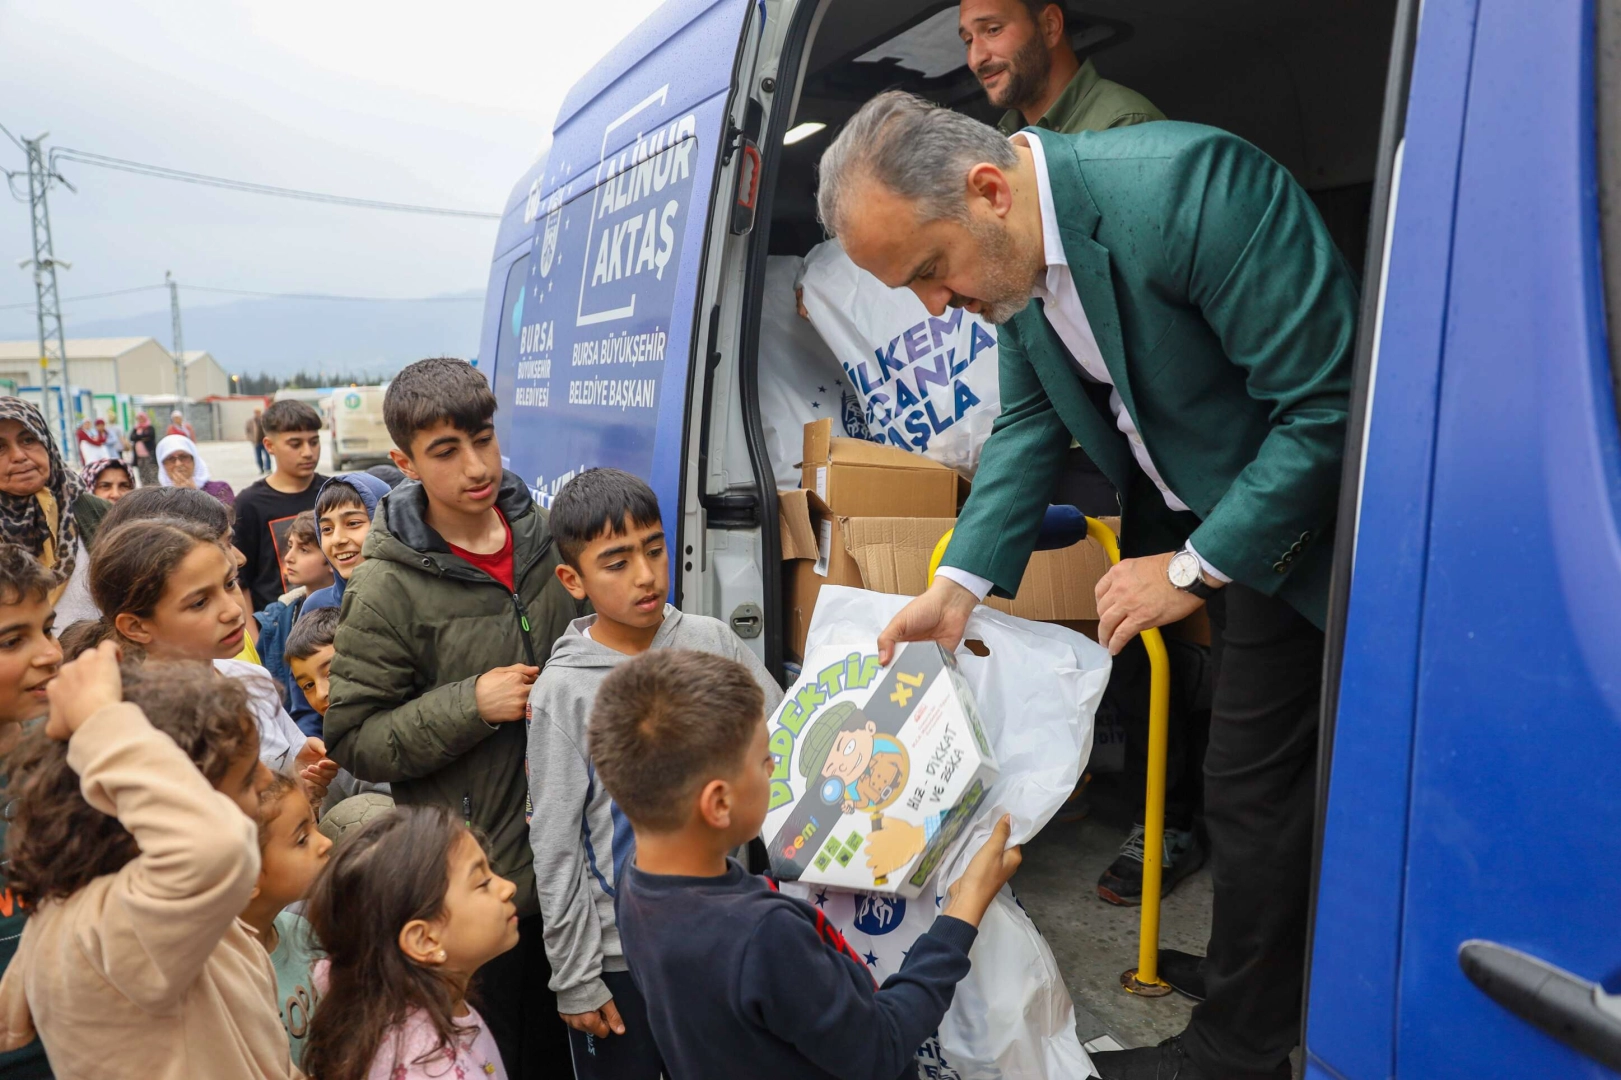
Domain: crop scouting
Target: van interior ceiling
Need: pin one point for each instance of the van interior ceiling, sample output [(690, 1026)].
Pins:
[(1304, 82)]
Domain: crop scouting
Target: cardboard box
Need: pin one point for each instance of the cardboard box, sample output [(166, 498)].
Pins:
[(878, 770), (857, 478), (891, 554)]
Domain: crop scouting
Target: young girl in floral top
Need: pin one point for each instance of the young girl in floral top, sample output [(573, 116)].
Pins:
[(407, 908)]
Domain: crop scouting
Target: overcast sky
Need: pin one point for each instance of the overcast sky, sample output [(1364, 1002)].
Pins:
[(407, 101)]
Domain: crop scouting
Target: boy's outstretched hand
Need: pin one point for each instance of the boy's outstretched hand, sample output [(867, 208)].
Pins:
[(83, 687), (599, 1022), (991, 868), (502, 693), (315, 770)]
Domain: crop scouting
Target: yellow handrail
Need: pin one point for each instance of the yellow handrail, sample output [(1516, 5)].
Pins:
[(1144, 978)]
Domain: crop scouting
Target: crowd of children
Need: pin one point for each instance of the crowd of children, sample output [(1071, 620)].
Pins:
[(380, 783)]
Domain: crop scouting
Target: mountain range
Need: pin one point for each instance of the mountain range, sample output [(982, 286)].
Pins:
[(281, 336)]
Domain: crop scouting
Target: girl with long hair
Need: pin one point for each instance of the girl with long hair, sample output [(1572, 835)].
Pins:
[(407, 908)]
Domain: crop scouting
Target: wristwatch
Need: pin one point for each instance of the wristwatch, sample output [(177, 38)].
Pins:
[(1187, 574)]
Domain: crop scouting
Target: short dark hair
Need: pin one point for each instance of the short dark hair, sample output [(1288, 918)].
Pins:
[(187, 504), (313, 631), (304, 530), (285, 416), (334, 496), (433, 390), (22, 577), (1036, 7), (596, 502), (665, 724)]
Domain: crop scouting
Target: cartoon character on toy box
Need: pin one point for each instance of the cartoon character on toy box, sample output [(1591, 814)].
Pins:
[(878, 769)]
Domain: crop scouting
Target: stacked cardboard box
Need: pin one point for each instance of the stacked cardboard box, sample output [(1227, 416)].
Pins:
[(869, 516)]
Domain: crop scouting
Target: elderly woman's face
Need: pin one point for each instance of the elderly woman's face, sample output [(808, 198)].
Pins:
[(181, 466), (25, 462)]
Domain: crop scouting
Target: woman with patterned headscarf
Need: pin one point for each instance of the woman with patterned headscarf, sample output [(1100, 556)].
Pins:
[(44, 508)]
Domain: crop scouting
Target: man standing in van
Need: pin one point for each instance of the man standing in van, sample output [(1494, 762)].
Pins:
[(1020, 51), (1195, 335)]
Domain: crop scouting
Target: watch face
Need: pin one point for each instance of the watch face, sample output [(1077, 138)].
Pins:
[(1184, 569)]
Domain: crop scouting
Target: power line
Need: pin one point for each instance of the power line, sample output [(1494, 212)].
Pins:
[(261, 295), (88, 296), (14, 140), (333, 296), (164, 173)]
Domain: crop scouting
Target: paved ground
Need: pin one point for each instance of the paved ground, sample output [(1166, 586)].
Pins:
[(233, 462), (1093, 942)]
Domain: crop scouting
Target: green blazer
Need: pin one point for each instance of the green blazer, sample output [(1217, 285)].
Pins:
[(1226, 318)]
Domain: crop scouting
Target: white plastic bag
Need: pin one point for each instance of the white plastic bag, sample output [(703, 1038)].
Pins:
[(800, 380), (926, 385), (1037, 689)]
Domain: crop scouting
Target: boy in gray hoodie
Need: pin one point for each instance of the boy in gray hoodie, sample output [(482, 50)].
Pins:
[(611, 539)]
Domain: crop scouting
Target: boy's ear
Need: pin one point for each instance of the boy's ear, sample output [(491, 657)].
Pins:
[(402, 462), (715, 804), (571, 580), (419, 941), (131, 626)]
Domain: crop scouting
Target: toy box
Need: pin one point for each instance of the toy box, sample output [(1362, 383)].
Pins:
[(878, 769)]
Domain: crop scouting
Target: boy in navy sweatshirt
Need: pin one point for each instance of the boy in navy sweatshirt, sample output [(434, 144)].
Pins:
[(740, 980)]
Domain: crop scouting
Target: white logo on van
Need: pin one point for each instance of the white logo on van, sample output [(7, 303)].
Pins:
[(531, 209), (548, 243)]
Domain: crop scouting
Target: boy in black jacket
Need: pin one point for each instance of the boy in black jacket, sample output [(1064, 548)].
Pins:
[(740, 980)]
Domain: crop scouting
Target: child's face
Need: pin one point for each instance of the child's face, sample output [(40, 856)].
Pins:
[(294, 850), (751, 788), (112, 484), (480, 921), (199, 616), (460, 473), (29, 658), (296, 453), (306, 565), (311, 674), (343, 531), (247, 778), (626, 577)]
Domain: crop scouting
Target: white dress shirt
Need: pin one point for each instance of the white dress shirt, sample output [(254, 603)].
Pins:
[(1061, 303)]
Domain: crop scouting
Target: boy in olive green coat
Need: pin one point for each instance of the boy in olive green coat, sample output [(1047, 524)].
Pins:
[(442, 631)]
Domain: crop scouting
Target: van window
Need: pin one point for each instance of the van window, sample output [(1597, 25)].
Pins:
[(506, 344)]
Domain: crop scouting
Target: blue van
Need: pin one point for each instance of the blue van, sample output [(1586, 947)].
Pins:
[(1467, 155)]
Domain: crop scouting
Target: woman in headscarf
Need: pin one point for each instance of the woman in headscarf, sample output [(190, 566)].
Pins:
[(92, 443), (108, 479), (144, 438), (180, 465), (44, 509)]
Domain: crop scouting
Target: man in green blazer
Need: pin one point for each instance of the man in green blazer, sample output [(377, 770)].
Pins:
[(1192, 328)]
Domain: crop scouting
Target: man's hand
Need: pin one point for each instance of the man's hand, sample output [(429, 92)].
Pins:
[(315, 770), (940, 614), (1135, 595), (991, 868), (81, 688), (502, 693), (599, 1022)]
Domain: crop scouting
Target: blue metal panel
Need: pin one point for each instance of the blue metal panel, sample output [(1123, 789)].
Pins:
[(601, 336), (1351, 1026), (1515, 828)]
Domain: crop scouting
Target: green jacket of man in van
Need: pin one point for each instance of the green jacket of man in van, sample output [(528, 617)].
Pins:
[(419, 626), (1227, 329), (1089, 103)]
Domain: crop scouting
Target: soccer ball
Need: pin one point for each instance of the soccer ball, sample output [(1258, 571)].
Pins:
[(353, 812)]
